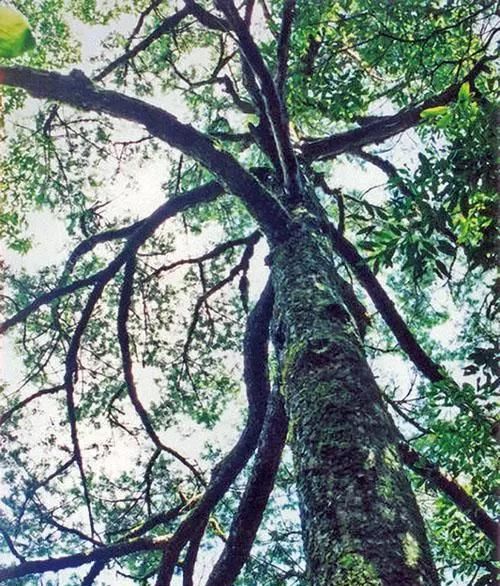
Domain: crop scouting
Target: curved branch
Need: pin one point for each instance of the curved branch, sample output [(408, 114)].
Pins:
[(384, 127), (78, 91), (257, 387), (10, 412), (124, 342), (214, 253), (71, 368), (463, 501), (144, 229), (99, 554), (253, 503)]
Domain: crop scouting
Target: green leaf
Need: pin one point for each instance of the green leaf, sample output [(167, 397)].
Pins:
[(434, 112), (15, 34)]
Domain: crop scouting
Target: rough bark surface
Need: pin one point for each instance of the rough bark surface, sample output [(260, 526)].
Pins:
[(361, 523)]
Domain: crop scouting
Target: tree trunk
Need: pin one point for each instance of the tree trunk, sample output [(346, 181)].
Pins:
[(360, 521)]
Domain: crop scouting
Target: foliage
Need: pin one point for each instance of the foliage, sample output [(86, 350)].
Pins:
[(428, 234)]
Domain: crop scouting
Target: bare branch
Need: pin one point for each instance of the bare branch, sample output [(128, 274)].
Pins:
[(189, 562)]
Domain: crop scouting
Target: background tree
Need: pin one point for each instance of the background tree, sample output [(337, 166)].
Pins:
[(131, 343)]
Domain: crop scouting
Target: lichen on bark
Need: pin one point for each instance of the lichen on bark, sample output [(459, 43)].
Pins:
[(361, 524)]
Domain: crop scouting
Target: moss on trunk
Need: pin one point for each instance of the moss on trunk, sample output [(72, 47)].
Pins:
[(361, 524)]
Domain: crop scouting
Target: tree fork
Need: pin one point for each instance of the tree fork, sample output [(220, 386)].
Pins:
[(360, 520)]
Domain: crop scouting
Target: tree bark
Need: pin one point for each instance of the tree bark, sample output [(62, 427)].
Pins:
[(360, 520)]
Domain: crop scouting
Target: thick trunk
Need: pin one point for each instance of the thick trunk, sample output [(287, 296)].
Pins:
[(361, 523)]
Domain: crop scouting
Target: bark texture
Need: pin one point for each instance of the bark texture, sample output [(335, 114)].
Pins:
[(361, 523)]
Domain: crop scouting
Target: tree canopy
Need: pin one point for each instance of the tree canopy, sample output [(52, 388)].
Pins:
[(274, 227)]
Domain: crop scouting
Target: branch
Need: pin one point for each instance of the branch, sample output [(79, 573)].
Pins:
[(253, 503), (71, 368), (166, 26), (159, 519), (243, 105), (78, 91), (407, 341), (214, 253), (203, 194), (241, 266), (104, 553), (384, 127), (274, 106), (90, 243), (124, 341), (284, 46), (49, 391), (94, 571), (188, 565), (206, 18), (463, 501), (255, 373), (385, 306)]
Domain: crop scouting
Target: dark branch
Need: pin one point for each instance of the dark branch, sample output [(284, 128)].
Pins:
[(124, 341), (465, 503), (242, 266), (188, 565), (166, 26), (385, 306), (78, 91), (251, 509), (257, 387), (92, 574), (49, 391), (214, 253), (274, 106), (104, 553), (206, 18), (385, 127), (71, 368)]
